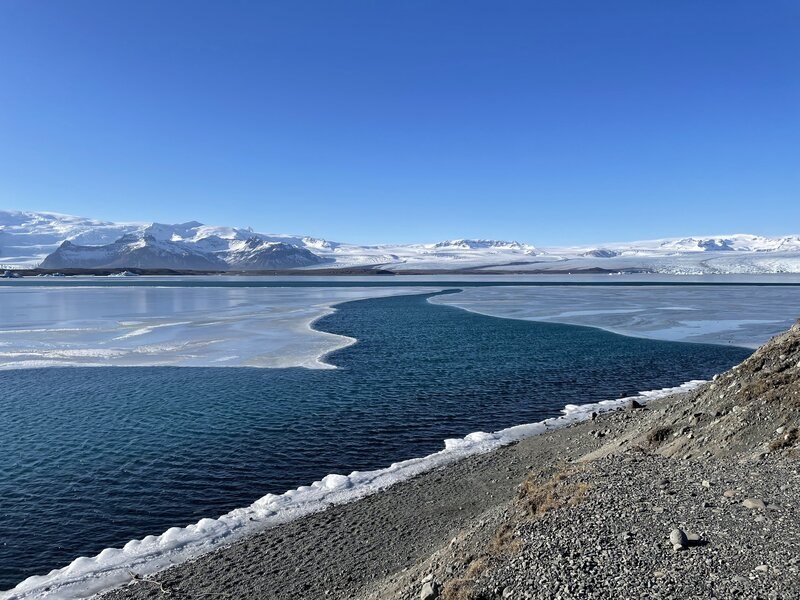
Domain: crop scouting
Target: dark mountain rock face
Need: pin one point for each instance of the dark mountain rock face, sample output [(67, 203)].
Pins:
[(257, 254), (601, 253), (148, 252), (715, 244)]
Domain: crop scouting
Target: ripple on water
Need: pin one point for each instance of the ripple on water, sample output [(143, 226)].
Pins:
[(94, 458)]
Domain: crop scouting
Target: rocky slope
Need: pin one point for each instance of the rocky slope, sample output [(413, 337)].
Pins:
[(743, 414), (695, 496)]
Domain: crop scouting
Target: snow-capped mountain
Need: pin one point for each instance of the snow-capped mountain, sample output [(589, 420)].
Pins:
[(186, 246), (26, 238), (734, 243), (731, 243), (55, 241), (485, 245)]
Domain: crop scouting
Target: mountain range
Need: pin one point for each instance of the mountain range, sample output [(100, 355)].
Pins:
[(56, 241)]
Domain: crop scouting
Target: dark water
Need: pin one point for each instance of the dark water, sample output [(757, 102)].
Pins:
[(90, 458)]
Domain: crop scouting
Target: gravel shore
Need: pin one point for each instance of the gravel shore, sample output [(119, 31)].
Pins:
[(695, 496), (345, 549)]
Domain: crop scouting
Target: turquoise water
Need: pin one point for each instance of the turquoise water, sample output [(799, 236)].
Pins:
[(94, 457)]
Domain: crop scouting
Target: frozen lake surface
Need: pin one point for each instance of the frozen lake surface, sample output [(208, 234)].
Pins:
[(143, 323), (740, 316), (170, 326)]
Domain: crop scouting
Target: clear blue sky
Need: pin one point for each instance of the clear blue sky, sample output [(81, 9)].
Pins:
[(365, 121)]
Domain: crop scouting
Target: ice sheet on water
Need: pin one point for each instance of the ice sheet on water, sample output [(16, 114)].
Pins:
[(258, 327), (743, 316), (171, 326)]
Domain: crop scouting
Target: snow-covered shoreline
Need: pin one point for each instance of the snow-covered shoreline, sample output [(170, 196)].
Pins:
[(87, 576)]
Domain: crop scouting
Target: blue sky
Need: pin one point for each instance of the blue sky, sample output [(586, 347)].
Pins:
[(367, 121)]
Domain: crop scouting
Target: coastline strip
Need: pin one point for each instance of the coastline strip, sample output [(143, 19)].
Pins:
[(111, 568)]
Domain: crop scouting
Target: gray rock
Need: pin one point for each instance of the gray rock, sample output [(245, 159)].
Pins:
[(678, 539), (429, 591)]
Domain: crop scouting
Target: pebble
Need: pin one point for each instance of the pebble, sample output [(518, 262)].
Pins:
[(678, 539), (754, 503), (429, 591)]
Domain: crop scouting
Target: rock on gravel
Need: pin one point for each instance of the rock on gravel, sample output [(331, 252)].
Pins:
[(429, 591), (608, 544), (678, 539)]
